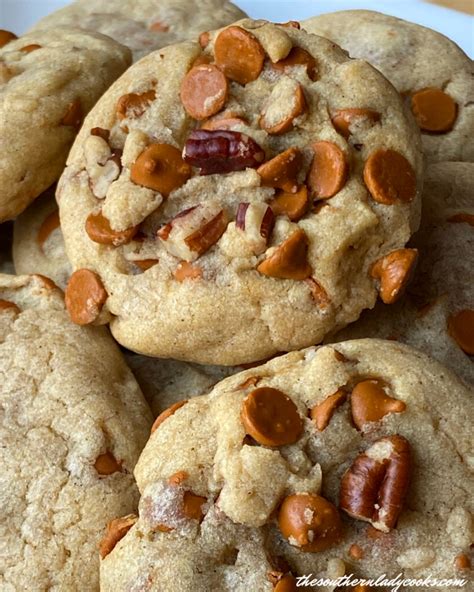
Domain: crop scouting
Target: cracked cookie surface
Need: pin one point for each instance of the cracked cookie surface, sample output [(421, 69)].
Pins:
[(437, 314), (260, 235), (431, 71), (49, 80), (237, 496), (144, 25), (73, 423)]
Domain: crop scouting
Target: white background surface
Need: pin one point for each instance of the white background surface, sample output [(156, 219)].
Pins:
[(19, 15)]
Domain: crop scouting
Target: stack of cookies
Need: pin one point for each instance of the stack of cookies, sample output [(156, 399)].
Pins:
[(237, 335)]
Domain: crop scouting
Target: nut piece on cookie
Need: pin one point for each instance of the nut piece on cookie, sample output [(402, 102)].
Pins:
[(256, 221), (194, 231), (374, 488)]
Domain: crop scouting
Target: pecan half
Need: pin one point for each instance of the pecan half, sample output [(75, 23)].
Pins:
[(374, 488), (218, 151)]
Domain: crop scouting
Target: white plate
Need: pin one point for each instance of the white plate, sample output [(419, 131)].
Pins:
[(19, 15)]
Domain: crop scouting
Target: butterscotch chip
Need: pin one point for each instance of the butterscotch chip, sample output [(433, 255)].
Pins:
[(187, 271), (356, 552), (286, 584), (31, 47), (74, 115), (160, 167), (239, 54), (299, 57), (322, 413), (462, 562), (370, 402), (145, 264), (394, 271), (49, 225), (7, 305), (165, 414), (329, 170), (204, 39), (116, 530), (159, 27), (294, 205), (192, 506), (343, 119), (318, 293), (85, 296), (271, 417), (6, 37), (204, 91), (289, 260), (310, 522), (99, 230), (461, 329), (223, 121), (106, 464), (287, 104), (178, 478), (389, 177), (134, 104), (434, 110), (462, 218), (282, 170)]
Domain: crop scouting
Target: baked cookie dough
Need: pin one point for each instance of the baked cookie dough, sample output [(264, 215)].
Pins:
[(73, 424), (437, 315), (354, 458), (433, 74), (259, 231), (166, 382), (38, 244), (48, 82), (145, 25)]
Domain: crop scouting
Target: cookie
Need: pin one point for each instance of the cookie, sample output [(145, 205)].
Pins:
[(145, 25), (38, 244), (433, 74), (438, 314), (73, 424), (167, 382), (256, 233), (48, 82), (350, 458)]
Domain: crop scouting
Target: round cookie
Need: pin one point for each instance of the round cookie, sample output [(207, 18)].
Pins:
[(166, 382), (354, 458), (38, 244), (261, 238), (438, 313), (145, 25), (48, 82), (431, 71), (73, 424)]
